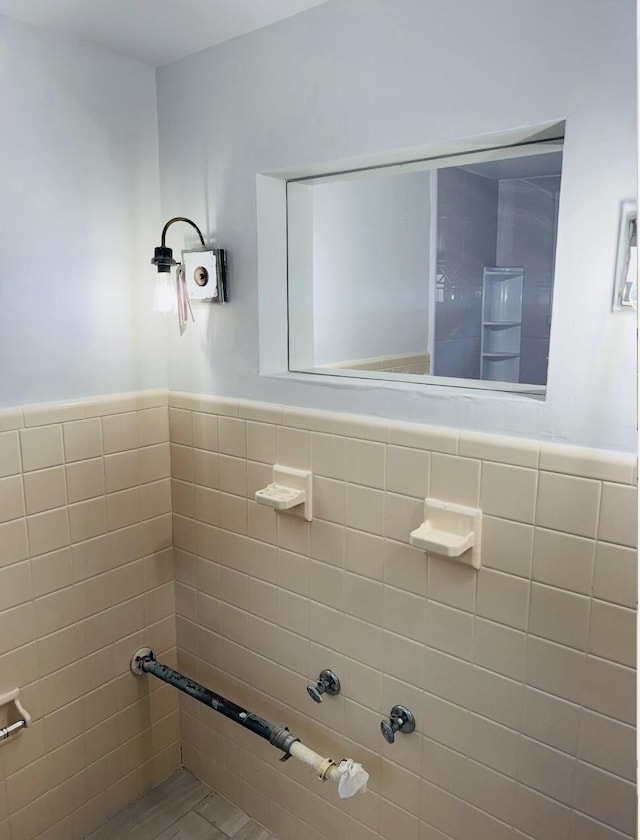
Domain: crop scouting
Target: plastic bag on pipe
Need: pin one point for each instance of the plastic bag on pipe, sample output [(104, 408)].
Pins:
[(353, 778)]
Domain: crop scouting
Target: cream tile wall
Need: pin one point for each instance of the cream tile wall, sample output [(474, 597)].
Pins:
[(86, 578), (521, 675)]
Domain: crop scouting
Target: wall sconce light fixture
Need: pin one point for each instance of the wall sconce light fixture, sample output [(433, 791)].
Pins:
[(202, 275)]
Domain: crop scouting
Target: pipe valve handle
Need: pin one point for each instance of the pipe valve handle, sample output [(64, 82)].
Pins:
[(400, 720), (314, 693), (327, 683), (388, 731)]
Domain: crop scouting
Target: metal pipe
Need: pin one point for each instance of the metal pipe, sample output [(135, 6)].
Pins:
[(350, 777), (11, 729), (144, 662)]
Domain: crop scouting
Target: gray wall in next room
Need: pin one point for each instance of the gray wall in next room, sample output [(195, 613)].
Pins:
[(527, 224), (467, 234)]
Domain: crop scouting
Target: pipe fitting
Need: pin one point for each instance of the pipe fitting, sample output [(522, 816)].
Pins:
[(324, 769), (327, 683), (283, 740), (137, 659), (400, 720)]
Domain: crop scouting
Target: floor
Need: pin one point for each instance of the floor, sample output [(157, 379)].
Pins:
[(181, 808)]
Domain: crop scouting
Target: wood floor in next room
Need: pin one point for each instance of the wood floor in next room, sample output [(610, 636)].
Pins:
[(181, 808)]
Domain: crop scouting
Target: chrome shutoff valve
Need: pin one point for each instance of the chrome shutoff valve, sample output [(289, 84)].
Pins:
[(327, 683), (400, 720)]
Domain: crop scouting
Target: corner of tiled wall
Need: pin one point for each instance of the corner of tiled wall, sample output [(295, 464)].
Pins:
[(86, 578), (521, 675)]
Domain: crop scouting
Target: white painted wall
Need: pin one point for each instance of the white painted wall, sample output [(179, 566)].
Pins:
[(357, 78), (371, 267), (79, 211)]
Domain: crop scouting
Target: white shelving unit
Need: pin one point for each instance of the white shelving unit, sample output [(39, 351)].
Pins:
[(501, 323)]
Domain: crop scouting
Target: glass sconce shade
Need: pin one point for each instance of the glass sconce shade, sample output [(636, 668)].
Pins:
[(164, 296)]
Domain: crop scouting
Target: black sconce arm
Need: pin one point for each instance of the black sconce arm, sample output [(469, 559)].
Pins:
[(181, 219), (163, 256)]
